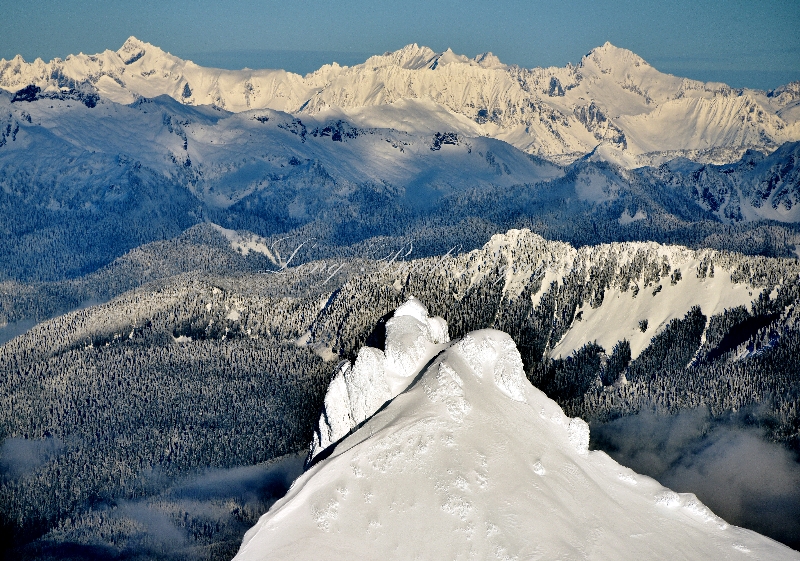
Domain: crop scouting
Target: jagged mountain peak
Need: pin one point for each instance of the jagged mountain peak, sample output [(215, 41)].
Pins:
[(133, 49), (416, 57), (489, 60), (613, 60), (607, 52), (133, 43), (449, 57), (149, 56), (411, 57)]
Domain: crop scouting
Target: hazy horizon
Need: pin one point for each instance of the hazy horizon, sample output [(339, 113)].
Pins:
[(744, 44)]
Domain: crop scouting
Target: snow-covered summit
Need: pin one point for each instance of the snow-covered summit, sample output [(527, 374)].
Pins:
[(133, 49), (612, 98), (411, 57), (611, 56), (489, 60), (378, 375), (485, 466)]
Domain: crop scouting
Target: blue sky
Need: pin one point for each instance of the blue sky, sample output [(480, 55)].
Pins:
[(753, 43)]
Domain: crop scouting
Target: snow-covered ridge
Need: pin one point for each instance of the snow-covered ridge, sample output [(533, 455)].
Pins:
[(612, 98), (485, 466), (225, 157), (622, 284)]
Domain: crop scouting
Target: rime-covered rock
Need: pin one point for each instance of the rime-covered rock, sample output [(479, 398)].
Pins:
[(410, 337), (359, 390), (367, 387), (336, 418)]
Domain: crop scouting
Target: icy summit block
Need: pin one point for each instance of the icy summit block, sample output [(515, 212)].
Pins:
[(358, 390), (490, 352), (410, 337), (367, 388), (336, 418)]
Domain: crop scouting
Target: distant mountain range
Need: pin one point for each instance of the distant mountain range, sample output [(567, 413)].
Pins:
[(611, 103), (77, 167)]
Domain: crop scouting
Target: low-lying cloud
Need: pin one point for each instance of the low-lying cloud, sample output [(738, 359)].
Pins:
[(247, 481), (19, 456), (200, 517), (743, 477)]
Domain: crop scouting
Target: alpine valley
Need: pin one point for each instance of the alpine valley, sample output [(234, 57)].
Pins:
[(439, 294)]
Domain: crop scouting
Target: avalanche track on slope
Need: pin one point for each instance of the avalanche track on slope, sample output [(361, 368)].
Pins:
[(472, 462)]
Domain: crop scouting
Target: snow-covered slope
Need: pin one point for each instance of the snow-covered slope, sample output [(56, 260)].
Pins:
[(612, 98), (755, 187), (472, 462), (223, 157), (603, 293)]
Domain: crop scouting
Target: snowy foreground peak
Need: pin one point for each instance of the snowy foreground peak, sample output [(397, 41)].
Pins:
[(358, 390), (472, 462)]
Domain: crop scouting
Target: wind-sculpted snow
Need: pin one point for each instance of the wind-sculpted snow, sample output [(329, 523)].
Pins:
[(485, 466), (499, 358), (612, 98), (359, 390), (409, 336)]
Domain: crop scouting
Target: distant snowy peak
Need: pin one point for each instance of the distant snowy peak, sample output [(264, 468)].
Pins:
[(139, 69), (612, 99), (484, 466), (411, 57), (621, 64), (414, 57), (132, 50), (610, 56), (489, 60)]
